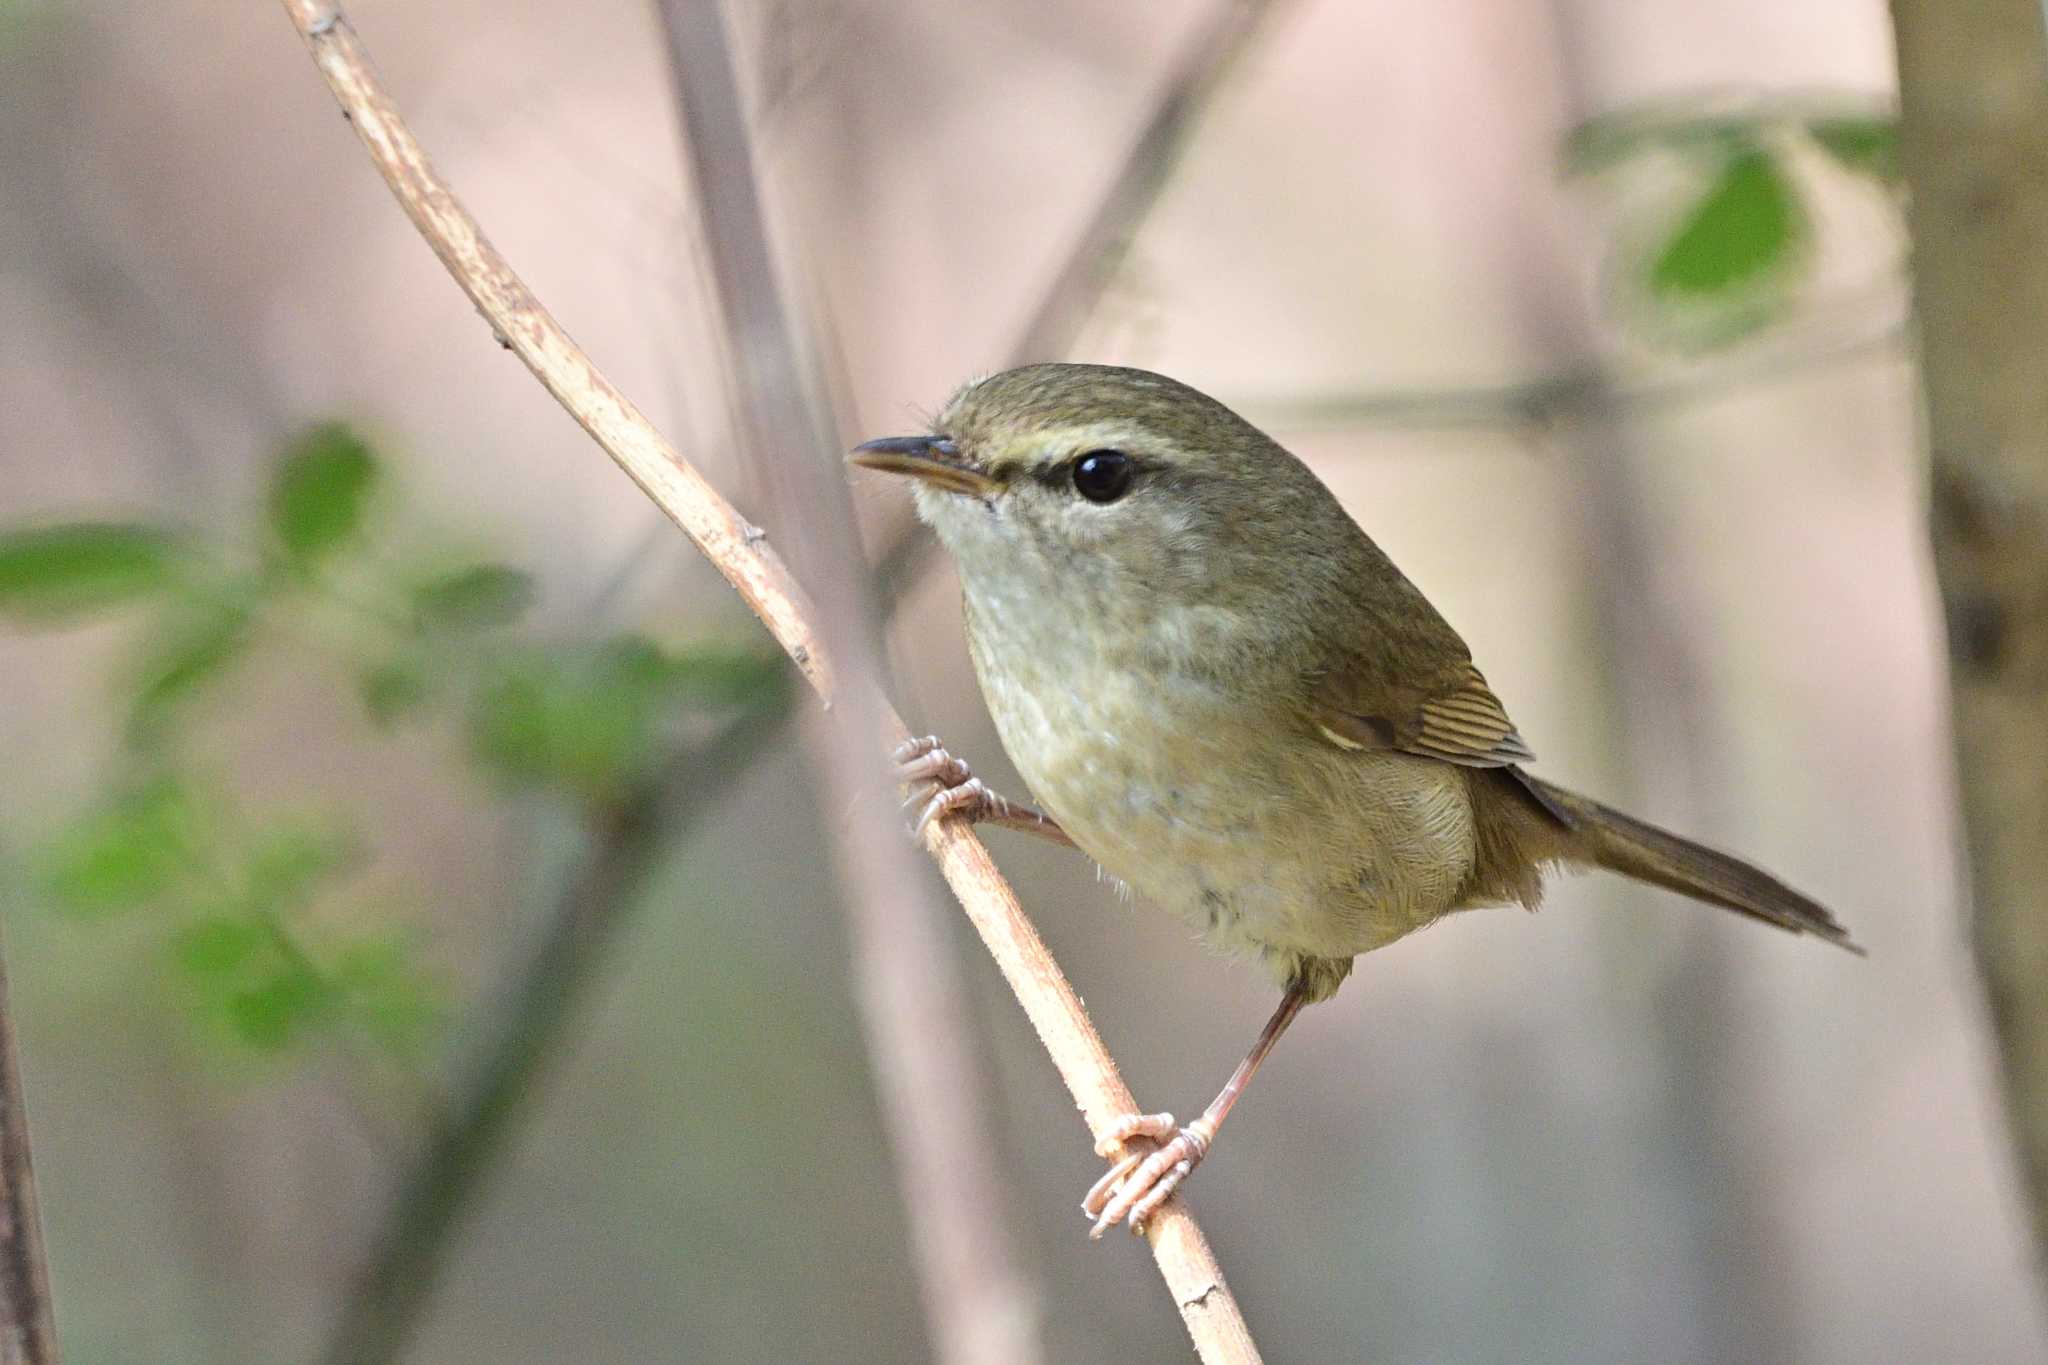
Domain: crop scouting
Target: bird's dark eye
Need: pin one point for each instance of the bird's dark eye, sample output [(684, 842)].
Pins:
[(1103, 475)]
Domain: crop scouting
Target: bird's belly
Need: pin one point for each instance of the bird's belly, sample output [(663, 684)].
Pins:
[(1265, 841)]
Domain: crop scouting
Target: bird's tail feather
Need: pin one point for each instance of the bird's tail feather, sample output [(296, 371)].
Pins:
[(1605, 837)]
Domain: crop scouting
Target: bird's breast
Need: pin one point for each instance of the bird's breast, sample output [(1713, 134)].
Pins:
[(1171, 774)]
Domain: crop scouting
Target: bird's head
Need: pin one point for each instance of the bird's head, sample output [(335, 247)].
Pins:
[(1099, 479)]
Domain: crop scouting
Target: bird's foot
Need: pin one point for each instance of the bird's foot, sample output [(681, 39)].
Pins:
[(1140, 1181), (946, 785), (950, 790)]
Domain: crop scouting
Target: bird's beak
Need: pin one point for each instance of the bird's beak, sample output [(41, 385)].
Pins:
[(934, 459)]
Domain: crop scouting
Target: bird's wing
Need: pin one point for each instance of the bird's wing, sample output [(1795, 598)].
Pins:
[(1402, 680), (1448, 714)]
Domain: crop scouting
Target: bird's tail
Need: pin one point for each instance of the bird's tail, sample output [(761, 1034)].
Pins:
[(1604, 837)]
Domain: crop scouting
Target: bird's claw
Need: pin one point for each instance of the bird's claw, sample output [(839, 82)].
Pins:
[(946, 785), (1140, 1181)]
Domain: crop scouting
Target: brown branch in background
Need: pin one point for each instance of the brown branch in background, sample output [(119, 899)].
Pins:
[(980, 1308), (1098, 254), (1974, 148), (1542, 404), (28, 1334), (1085, 1066), (409, 1250)]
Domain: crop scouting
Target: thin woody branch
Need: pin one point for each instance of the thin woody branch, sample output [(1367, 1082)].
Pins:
[(28, 1335), (758, 574)]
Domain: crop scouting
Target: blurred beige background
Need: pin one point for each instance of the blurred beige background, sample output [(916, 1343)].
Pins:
[(1624, 1130)]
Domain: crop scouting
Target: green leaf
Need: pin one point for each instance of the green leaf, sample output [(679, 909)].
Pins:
[(371, 960), (589, 721), (219, 944), (402, 1014), (58, 573), (1741, 231), (635, 663), (322, 492), (130, 853), (395, 1002), (548, 726), (393, 691), (193, 652), (718, 676), (286, 863), (1865, 146), (271, 1015), (580, 721), (474, 598)]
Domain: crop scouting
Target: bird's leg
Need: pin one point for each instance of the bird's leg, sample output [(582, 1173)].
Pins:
[(1141, 1181), (950, 790)]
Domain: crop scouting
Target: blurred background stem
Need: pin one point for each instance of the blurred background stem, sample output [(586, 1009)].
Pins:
[(980, 1307), (413, 1246), (1668, 744), (1974, 148)]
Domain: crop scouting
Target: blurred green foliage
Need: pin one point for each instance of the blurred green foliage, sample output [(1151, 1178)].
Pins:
[(1747, 224), (1735, 254), (321, 494), (22, 22), (589, 720), (477, 597), (247, 905), (52, 574), (1866, 144)]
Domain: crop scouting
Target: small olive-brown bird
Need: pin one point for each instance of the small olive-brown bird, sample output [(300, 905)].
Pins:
[(1223, 692)]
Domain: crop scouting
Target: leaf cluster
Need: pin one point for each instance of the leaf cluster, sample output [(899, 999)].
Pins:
[(1734, 254), (256, 920)]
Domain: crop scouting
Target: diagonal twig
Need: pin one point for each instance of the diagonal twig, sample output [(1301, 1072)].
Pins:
[(736, 549), (1565, 395)]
